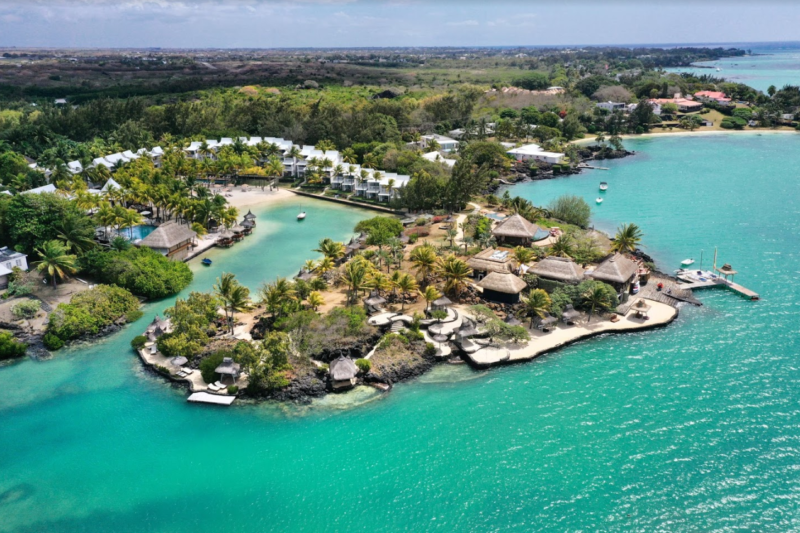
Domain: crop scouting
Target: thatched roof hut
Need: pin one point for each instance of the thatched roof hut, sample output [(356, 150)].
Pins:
[(441, 303), (490, 260), (170, 239), (617, 270), (249, 215), (228, 368), (502, 287), (515, 229), (343, 372), (558, 269)]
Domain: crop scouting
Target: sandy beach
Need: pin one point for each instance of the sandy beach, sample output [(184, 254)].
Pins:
[(255, 197), (697, 133)]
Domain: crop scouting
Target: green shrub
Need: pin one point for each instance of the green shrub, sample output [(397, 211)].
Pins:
[(26, 309), (89, 311), (430, 349), (142, 271), (11, 348), (51, 342), (421, 221), (389, 339), (233, 389), (571, 209), (210, 363), (363, 365), (138, 342), (733, 123), (133, 316)]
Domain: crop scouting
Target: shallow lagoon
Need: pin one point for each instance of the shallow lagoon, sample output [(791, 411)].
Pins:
[(693, 427)]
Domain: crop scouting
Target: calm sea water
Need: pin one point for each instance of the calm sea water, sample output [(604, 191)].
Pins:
[(771, 64), (695, 427)]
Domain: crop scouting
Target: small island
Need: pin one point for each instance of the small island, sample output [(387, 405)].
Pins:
[(500, 282)]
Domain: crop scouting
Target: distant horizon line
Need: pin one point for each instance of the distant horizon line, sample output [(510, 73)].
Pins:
[(412, 47)]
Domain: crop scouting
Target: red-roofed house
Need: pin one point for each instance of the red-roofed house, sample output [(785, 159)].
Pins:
[(716, 96), (684, 105)]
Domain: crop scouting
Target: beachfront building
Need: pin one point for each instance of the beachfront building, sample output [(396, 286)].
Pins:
[(228, 371), (343, 372), (713, 96), (516, 230), (172, 239), (369, 183), (684, 105), (619, 272), (39, 190), (554, 271), (10, 259), (534, 152), (502, 287), (446, 144), (490, 260), (616, 106)]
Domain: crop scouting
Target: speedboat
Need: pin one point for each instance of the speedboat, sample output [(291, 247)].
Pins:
[(599, 200), (687, 262), (206, 261), (603, 186), (301, 216)]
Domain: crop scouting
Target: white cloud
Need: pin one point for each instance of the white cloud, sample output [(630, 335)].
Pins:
[(464, 23)]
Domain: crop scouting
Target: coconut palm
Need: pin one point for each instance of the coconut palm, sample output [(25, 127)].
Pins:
[(378, 281), (234, 296), (315, 300), (330, 248), (349, 156), (423, 259), (324, 265), (310, 265), (628, 238), (355, 275), (522, 255), (455, 272), (76, 233), (431, 294), (598, 296), (131, 218), (55, 260), (537, 304), (406, 284), (563, 247)]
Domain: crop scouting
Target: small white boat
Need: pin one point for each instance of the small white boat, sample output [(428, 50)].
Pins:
[(301, 216), (718, 69), (603, 186), (687, 262), (599, 200)]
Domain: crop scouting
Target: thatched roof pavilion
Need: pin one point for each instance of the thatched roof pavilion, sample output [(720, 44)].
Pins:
[(558, 269), (343, 372), (617, 270), (228, 368), (490, 260), (441, 303), (515, 229), (249, 216), (171, 239), (502, 287)]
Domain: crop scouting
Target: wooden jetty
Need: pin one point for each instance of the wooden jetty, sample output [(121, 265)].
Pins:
[(215, 399)]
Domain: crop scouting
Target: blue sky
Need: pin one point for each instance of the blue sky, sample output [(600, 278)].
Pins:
[(350, 23)]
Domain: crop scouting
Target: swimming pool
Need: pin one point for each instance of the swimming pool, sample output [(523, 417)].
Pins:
[(137, 232)]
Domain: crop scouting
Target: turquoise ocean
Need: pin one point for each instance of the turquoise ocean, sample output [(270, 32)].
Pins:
[(775, 64), (694, 427)]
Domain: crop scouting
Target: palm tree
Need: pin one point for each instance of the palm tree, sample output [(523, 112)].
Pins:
[(522, 255), (423, 259), (598, 296), (310, 265), (120, 244), (130, 219), (315, 300), (430, 294), (75, 233), (562, 247), (330, 248), (378, 281), (406, 283), (455, 272), (537, 304), (628, 238), (349, 156), (235, 297), (55, 260), (355, 275), (324, 265)]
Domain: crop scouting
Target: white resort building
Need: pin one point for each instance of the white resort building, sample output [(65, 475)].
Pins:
[(9, 259), (535, 152)]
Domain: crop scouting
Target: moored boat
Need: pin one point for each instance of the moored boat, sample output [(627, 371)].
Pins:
[(603, 186), (599, 200), (301, 216), (687, 262), (206, 261)]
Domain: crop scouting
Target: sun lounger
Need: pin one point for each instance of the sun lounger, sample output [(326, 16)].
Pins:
[(181, 374), (187, 371), (213, 387)]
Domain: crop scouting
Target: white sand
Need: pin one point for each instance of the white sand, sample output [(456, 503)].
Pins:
[(543, 342), (253, 197)]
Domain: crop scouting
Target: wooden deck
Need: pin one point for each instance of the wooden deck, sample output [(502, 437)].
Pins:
[(215, 399), (710, 282), (672, 294)]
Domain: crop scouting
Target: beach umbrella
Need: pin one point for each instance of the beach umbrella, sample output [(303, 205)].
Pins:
[(179, 361)]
